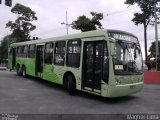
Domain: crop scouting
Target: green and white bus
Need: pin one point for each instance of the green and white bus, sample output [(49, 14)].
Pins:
[(107, 63)]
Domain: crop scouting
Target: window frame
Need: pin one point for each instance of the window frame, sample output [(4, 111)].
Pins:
[(45, 53), (25, 51), (19, 51), (31, 54), (73, 54), (61, 53)]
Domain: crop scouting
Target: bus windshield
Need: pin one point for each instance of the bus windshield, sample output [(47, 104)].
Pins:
[(128, 58)]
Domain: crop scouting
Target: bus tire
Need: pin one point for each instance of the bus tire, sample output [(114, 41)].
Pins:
[(18, 70), (71, 85), (24, 72), (65, 86)]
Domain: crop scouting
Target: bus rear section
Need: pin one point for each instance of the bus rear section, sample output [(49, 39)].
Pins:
[(12, 58)]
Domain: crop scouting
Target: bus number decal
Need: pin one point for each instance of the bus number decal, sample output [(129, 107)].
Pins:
[(118, 67)]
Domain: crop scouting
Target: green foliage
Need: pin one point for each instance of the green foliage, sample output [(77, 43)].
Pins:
[(152, 48), (4, 47), (84, 23), (145, 16), (153, 63), (22, 26), (147, 11)]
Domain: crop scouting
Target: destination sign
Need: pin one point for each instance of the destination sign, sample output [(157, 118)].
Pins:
[(122, 36)]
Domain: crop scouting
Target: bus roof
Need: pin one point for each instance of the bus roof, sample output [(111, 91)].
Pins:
[(95, 33)]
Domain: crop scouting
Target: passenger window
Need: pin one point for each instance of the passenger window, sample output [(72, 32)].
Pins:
[(31, 52), (59, 55), (73, 53), (19, 51), (25, 51), (48, 53)]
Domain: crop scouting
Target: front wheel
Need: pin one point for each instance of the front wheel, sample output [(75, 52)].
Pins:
[(71, 85)]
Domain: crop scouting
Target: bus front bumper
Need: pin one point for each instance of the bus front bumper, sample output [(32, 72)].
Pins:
[(124, 90)]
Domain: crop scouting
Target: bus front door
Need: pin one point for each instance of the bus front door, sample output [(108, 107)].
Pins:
[(39, 60), (93, 66)]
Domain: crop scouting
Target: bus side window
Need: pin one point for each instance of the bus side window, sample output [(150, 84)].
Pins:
[(19, 51), (59, 54), (31, 51), (25, 51), (73, 53), (48, 53), (22, 51)]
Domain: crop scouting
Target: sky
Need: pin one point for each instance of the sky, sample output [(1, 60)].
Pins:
[(51, 13)]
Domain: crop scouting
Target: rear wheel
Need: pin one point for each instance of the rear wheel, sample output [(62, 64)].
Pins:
[(71, 85), (24, 71), (18, 70)]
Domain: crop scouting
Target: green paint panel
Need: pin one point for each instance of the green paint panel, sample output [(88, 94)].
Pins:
[(30, 66), (124, 90), (128, 79), (29, 63), (50, 74)]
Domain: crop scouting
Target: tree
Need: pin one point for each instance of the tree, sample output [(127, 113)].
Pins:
[(4, 47), (152, 48), (145, 17), (84, 23), (22, 26)]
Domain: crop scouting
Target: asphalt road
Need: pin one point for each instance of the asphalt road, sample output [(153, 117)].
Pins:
[(32, 96)]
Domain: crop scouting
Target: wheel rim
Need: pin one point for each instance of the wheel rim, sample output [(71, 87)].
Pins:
[(18, 70), (23, 72)]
